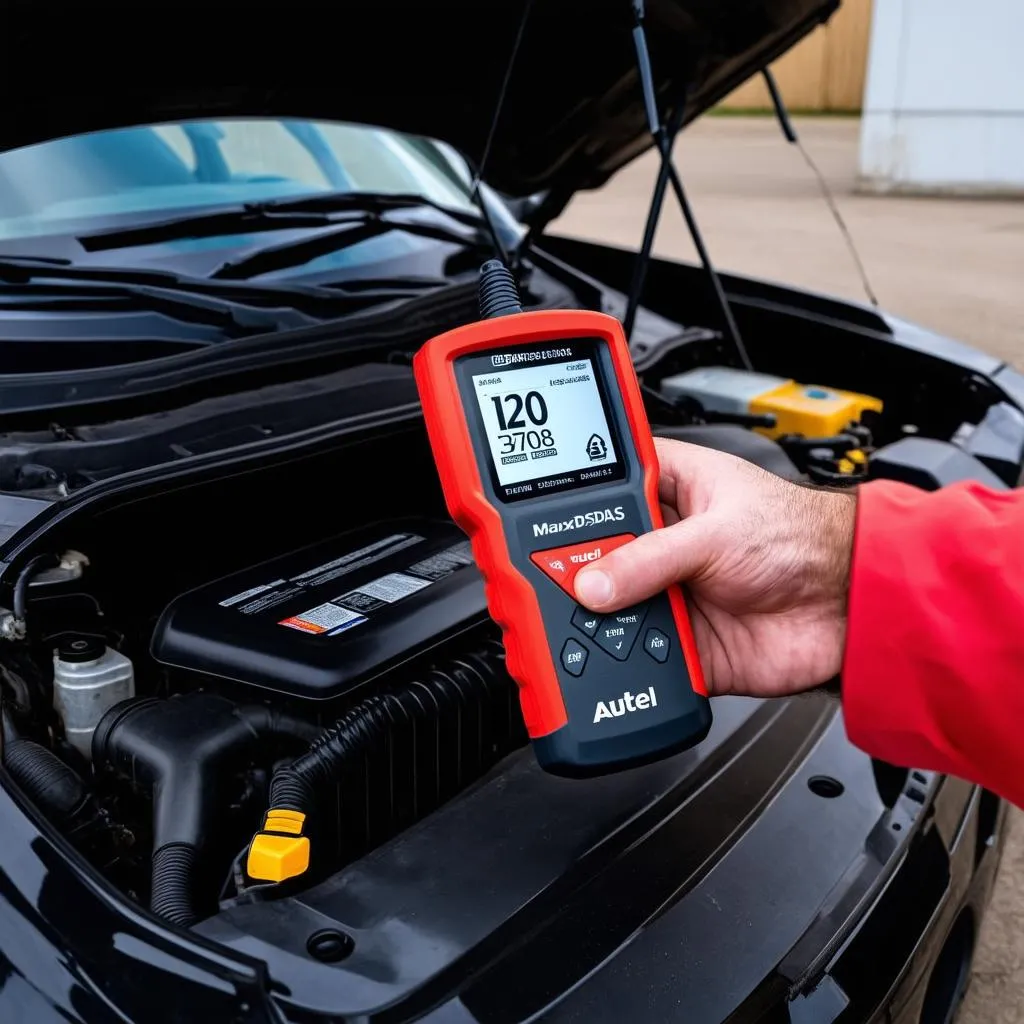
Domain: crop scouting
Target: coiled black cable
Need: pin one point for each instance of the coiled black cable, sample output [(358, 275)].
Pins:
[(476, 677)]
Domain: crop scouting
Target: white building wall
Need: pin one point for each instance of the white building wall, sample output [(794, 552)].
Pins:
[(944, 97)]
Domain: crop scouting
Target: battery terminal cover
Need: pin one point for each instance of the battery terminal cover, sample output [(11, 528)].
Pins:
[(809, 410)]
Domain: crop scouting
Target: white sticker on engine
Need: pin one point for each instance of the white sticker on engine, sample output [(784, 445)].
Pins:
[(392, 587), (322, 619)]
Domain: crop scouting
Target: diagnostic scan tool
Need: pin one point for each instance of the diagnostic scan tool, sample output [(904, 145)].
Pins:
[(546, 460)]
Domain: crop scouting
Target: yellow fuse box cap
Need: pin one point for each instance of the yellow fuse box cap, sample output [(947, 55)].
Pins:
[(811, 411)]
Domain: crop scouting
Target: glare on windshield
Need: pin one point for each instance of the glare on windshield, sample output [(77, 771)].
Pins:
[(62, 185)]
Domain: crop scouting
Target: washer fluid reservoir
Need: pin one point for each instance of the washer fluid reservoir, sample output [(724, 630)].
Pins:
[(89, 678)]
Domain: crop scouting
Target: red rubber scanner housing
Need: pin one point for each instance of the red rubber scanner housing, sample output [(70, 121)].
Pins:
[(510, 597)]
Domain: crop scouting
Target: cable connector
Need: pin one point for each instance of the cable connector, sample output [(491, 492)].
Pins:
[(498, 293)]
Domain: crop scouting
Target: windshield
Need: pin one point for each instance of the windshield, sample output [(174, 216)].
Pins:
[(151, 240), (167, 168), (90, 182)]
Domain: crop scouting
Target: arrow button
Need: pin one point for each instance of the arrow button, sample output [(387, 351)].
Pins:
[(586, 621), (574, 657), (656, 644), (617, 633)]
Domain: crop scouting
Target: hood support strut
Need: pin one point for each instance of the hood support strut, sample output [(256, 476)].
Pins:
[(664, 138)]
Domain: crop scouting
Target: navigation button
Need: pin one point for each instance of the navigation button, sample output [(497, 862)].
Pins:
[(574, 657), (656, 644), (586, 621), (562, 564), (618, 632)]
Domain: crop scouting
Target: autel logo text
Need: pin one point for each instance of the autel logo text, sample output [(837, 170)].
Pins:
[(625, 704)]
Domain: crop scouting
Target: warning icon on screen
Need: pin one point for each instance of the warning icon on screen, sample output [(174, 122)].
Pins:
[(596, 447)]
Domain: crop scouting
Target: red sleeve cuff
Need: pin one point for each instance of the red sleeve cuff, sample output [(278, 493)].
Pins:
[(884, 699), (933, 672)]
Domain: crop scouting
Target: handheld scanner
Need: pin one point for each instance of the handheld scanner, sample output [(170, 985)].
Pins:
[(546, 460)]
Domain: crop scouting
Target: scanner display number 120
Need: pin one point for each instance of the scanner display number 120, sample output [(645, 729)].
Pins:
[(510, 410)]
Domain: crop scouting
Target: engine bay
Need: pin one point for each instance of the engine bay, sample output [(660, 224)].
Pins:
[(302, 617)]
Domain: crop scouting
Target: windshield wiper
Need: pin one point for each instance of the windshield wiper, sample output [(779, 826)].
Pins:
[(235, 319), (295, 252), (320, 301), (316, 211)]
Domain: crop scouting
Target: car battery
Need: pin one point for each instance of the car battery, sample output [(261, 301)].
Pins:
[(805, 409)]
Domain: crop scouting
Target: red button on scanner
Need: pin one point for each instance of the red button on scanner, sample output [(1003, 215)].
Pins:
[(562, 564)]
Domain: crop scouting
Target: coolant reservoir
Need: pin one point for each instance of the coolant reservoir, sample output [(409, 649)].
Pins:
[(89, 678)]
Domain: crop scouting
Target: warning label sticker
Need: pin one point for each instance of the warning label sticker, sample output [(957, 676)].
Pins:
[(324, 618), (354, 607), (381, 591)]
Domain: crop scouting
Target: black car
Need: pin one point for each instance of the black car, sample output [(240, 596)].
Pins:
[(222, 532)]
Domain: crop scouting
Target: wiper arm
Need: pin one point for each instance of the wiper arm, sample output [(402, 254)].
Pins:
[(235, 319), (321, 301), (319, 210), (295, 252)]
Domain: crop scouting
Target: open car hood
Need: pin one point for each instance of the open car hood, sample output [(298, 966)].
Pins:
[(573, 112)]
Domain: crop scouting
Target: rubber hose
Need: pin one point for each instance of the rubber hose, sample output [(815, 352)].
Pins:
[(46, 779), (272, 722), (25, 577), (171, 888), (185, 750)]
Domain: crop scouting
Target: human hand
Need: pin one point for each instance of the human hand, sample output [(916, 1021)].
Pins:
[(765, 563)]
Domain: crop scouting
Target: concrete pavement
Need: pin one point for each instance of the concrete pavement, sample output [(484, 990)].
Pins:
[(954, 265)]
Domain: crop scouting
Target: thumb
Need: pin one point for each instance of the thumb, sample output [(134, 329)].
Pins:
[(645, 566)]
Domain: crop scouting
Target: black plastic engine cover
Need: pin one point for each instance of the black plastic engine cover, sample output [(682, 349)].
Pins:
[(316, 622), (997, 441), (930, 464)]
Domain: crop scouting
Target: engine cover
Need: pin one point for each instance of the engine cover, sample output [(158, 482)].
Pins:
[(316, 622)]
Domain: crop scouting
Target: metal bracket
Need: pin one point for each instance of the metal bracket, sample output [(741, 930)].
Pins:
[(664, 138)]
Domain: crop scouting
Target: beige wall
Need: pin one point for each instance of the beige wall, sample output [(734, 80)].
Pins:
[(824, 72)]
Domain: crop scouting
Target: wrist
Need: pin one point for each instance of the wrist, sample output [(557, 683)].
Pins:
[(832, 528), (825, 538), (840, 522)]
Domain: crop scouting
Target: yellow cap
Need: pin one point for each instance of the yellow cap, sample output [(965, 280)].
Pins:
[(857, 456), (280, 851), (284, 821), (846, 466)]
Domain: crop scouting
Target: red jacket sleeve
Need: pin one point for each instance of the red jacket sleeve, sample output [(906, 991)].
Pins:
[(933, 674)]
